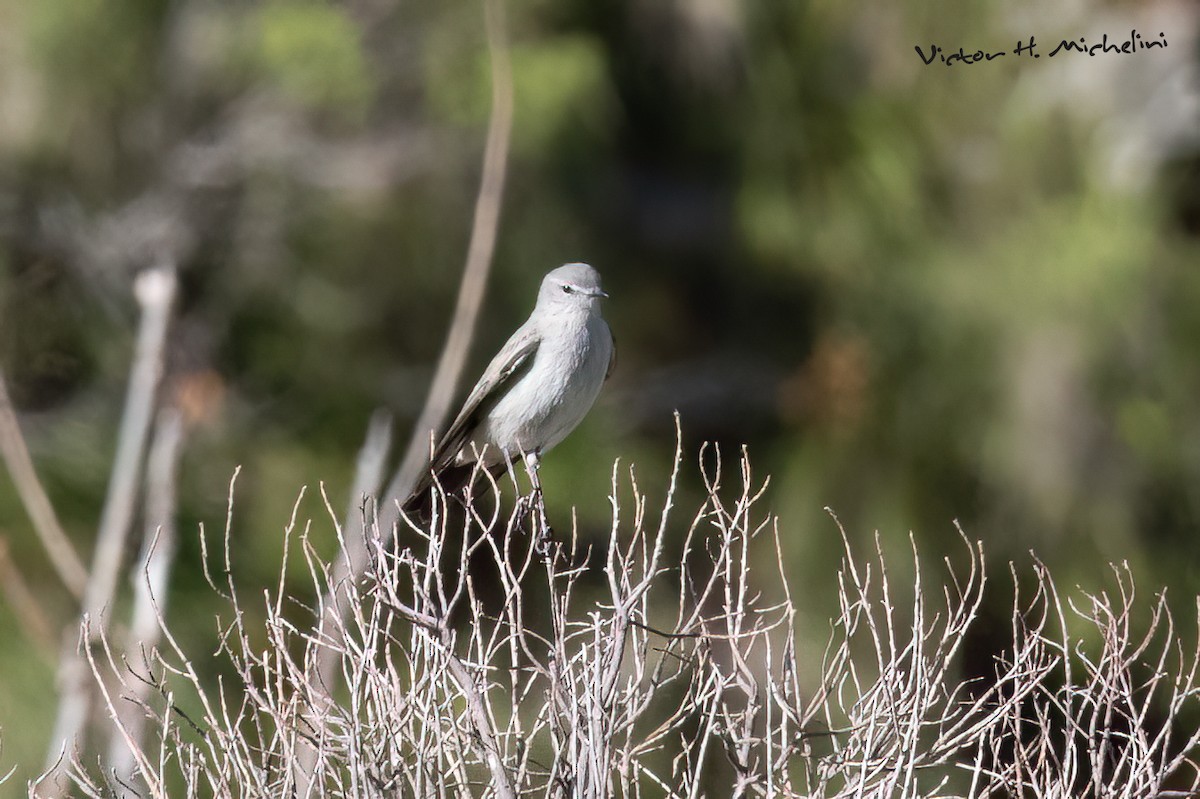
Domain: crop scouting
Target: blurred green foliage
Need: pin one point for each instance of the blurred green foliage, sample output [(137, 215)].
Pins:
[(917, 293), (310, 51)]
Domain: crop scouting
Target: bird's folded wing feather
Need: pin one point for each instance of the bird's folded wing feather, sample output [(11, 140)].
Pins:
[(612, 359), (509, 365)]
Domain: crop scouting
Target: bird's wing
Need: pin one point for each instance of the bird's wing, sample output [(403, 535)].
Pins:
[(506, 368), (612, 359)]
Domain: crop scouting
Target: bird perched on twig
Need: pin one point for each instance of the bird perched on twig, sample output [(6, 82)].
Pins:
[(535, 391)]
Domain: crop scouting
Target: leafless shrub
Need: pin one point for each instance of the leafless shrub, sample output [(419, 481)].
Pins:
[(477, 662)]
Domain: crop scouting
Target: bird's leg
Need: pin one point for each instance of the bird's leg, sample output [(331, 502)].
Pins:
[(545, 531), (524, 502)]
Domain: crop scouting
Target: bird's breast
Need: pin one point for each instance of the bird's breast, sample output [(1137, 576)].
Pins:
[(558, 389)]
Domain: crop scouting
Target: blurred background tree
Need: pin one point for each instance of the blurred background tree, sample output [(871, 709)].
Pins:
[(917, 293)]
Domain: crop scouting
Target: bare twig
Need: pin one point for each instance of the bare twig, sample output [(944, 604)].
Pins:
[(150, 582), (454, 354), (25, 606), (475, 276), (54, 540), (337, 602), (155, 293)]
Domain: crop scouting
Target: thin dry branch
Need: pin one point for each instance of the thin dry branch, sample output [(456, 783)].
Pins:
[(484, 228), (58, 546), (453, 358), (155, 292), (150, 583), (24, 604)]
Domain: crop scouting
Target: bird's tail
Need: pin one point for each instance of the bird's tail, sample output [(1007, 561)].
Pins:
[(454, 481)]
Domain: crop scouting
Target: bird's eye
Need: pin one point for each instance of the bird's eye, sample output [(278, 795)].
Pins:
[(567, 289)]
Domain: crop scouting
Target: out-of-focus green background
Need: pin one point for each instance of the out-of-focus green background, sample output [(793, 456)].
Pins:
[(917, 293)]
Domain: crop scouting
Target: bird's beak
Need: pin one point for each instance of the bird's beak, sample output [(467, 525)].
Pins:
[(600, 293)]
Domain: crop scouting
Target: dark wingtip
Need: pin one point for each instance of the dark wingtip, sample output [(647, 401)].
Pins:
[(453, 481)]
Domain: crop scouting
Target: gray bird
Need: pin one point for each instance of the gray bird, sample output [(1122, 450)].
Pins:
[(534, 392)]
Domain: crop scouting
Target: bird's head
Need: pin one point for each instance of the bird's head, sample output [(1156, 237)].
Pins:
[(573, 286)]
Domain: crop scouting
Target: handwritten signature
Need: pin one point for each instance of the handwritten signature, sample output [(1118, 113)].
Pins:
[(1133, 44)]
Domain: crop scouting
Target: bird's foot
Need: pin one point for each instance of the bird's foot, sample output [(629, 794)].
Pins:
[(535, 502), (545, 539), (525, 505)]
